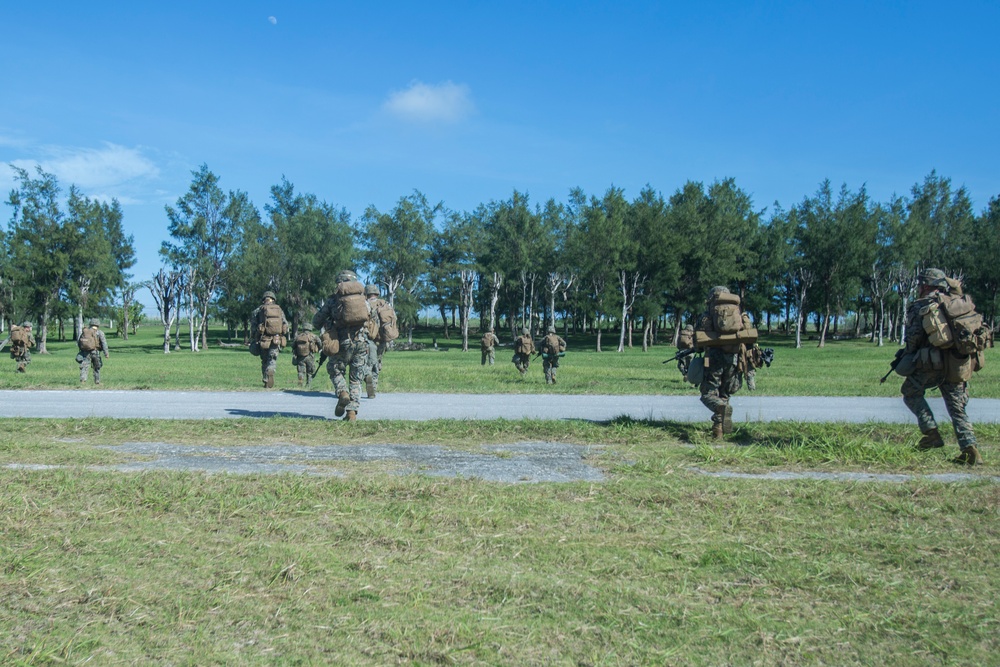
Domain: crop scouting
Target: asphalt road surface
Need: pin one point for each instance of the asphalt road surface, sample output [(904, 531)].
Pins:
[(319, 405)]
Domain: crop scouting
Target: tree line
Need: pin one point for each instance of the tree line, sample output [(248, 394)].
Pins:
[(838, 261)]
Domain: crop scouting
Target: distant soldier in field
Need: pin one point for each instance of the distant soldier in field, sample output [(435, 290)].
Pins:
[(947, 336), (488, 344), (344, 318), (552, 347), (724, 332), (270, 327), (382, 330), (306, 343), (523, 349), (92, 345), (685, 341), (21, 341)]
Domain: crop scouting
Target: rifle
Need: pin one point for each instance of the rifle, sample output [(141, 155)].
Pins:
[(322, 360), (681, 354), (892, 364)]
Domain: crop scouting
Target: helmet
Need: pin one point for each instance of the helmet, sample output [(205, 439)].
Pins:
[(933, 278), (269, 295), (688, 327), (306, 326), (551, 329), (26, 325), (371, 290), (716, 291), (94, 322), (524, 331), (346, 275)]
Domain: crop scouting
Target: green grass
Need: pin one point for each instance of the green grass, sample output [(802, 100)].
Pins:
[(842, 368), (658, 565)]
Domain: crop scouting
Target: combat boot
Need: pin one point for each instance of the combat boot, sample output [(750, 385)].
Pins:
[(727, 419), (969, 456), (931, 440), (370, 386), (20, 369), (269, 379), (351, 416), (717, 430), (343, 398)]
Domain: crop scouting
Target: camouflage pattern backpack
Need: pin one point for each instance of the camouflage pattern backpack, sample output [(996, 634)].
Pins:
[(351, 308), (88, 340), (18, 337), (726, 315), (274, 320), (302, 345)]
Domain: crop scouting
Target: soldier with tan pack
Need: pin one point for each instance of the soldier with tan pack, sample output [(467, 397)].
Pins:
[(552, 347), (524, 346), (724, 332), (488, 345), (945, 339), (305, 344), (21, 341), (382, 330), (270, 327), (92, 344), (344, 319)]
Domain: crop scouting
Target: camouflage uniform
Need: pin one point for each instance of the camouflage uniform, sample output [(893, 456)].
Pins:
[(488, 345), (722, 379), (955, 395), (305, 365), (551, 346), (354, 353), (527, 346), (93, 358), (376, 346), (21, 352), (685, 342), (268, 357)]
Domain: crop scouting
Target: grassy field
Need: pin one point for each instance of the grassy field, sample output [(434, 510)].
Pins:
[(659, 565), (842, 368)]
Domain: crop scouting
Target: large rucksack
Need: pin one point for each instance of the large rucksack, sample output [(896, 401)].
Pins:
[(351, 307), (303, 344), (951, 322), (523, 345), (18, 338), (725, 312), (389, 329), (552, 346), (274, 320), (88, 340)]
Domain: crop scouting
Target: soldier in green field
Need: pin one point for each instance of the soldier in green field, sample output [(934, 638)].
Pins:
[(524, 346), (270, 327), (21, 341), (92, 345), (346, 319), (552, 347), (488, 345), (724, 365), (955, 394), (306, 343)]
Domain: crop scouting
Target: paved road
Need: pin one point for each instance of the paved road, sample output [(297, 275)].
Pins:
[(319, 405)]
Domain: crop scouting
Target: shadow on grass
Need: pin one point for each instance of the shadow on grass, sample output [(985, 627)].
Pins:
[(683, 431), (266, 414)]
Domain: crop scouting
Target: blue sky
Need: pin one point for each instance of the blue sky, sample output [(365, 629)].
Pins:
[(361, 103)]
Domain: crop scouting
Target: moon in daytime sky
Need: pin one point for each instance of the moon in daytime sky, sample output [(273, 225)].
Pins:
[(272, 20)]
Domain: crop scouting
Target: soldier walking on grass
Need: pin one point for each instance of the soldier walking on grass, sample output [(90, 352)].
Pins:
[(344, 319), (92, 345), (305, 344), (21, 341), (382, 330), (488, 345), (724, 332), (271, 328), (552, 347), (524, 347), (946, 337)]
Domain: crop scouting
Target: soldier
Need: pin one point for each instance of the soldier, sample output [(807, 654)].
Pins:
[(305, 344), (523, 348), (21, 341), (92, 344), (344, 316), (724, 331), (685, 341), (552, 347), (925, 376), (382, 330), (271, 328), (488, 345)]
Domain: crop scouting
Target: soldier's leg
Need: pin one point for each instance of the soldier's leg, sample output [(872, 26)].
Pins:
[(913, 397), (360, 369), (337, 368), (310, 366), (956, 397), (375, 367), (485, 357), (492, 357), (547, 371), (272, 365), (96, 362), (265, 360), (84, 366), (713, 391), (300, 368), (752, 379)]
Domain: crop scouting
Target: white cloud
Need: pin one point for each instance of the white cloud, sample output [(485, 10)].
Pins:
[(445, 102), (272, 20), (99, 168)]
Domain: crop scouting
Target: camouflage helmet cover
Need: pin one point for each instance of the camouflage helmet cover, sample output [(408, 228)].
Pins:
[(551, 329), (94, 322), (346, 275), (269, 295), (306, 326), (933, 278), (524, 331), (716, 291), (26, 325), (371, 290)]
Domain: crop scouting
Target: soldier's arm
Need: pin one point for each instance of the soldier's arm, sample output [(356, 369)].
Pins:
[(104, 344), (916, 337)]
